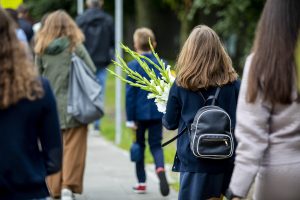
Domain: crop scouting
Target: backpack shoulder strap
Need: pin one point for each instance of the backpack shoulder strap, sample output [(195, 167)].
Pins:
[(214, 97), (174, 138)]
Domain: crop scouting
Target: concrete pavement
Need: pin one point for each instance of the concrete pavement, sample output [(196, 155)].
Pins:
[(110, 175)]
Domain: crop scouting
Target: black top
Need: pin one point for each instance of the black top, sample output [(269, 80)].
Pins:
[(98, 28), (30, 147), (27, 28), (182, 107)]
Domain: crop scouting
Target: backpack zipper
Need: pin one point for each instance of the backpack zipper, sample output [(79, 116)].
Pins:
[(216, 140)]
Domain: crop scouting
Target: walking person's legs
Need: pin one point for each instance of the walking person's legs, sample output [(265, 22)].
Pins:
[(140, 165), (71, 176), (101, 78), (74, 159), (154, 139)]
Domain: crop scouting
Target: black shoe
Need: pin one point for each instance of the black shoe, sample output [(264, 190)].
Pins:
[(163, 183)]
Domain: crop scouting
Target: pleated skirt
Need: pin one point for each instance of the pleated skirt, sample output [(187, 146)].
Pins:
[(202, 186)]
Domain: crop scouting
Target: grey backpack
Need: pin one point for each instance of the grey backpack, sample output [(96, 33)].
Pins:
[(84, 102), (211, 132)]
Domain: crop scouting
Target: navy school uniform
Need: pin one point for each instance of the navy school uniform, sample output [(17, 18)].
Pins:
[(30, 147), (200, 178), (144, 112)]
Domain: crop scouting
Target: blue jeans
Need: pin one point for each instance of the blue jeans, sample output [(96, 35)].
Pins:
[(101, 75), (154, 139)]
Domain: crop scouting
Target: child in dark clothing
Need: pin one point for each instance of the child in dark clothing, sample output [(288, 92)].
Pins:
[(203, 65), (142, 115)]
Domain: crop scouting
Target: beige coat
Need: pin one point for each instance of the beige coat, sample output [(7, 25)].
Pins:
[(268, 136)]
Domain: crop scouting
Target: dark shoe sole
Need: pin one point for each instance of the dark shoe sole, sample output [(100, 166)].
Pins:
[(163, 183)]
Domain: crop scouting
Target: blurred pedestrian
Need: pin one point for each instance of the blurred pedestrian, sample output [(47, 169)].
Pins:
[(203, 67), (268, 113), (57, 39), (98, 29), (142, 115), (24, 23), (20, 32), (30, 139)]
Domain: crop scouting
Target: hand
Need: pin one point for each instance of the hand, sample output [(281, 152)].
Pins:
[(236, 198), (132, 125)]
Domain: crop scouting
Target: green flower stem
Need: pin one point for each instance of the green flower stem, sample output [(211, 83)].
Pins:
[(144, 87), (154, 84), (142, 63)]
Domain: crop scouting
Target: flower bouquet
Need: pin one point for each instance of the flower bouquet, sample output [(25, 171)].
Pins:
[(157, 86)]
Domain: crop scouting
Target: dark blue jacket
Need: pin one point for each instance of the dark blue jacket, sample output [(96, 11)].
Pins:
[(138, 106), (30, 147), (181, 109)]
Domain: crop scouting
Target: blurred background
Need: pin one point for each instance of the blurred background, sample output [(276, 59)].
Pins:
[(172, 20)]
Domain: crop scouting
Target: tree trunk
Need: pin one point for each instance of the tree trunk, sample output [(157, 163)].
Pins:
[(143, 13), (185, 28)]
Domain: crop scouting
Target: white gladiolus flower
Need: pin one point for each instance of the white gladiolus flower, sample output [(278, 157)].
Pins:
[(151, 96), (161, 106), (158, 86), (152, 82), (162, 83), (168, 68), (158, 89), (172, 78), (165, 94)]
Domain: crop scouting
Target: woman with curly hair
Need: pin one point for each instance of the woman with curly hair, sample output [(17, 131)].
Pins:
[(55, 42), (30, 140)]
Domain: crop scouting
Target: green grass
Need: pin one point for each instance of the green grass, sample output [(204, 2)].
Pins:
[(108, 124)]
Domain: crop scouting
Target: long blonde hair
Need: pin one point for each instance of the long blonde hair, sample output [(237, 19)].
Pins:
[(18, 76), (58, 24), (203, 61)]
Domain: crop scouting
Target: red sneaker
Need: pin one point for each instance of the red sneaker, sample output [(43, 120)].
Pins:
[(140, 188)]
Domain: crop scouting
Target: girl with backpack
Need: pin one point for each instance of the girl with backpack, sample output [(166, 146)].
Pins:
[(203, 66)]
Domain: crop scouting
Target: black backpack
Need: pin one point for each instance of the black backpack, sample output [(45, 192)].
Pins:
[(211, 132)]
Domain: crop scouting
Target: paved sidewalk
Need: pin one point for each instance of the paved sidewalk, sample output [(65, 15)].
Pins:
[(110, 175)]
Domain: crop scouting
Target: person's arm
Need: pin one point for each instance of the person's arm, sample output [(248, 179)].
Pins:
[(112, 40), (84, 55), (80, 21), (252, 132), (131, 95), (50, 136), (39, 64), (237, 86), (171, 118)]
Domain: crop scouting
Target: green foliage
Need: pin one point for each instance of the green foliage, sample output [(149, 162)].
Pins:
[(238, 19), (181, 7), (40, 7), (235, 20)]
